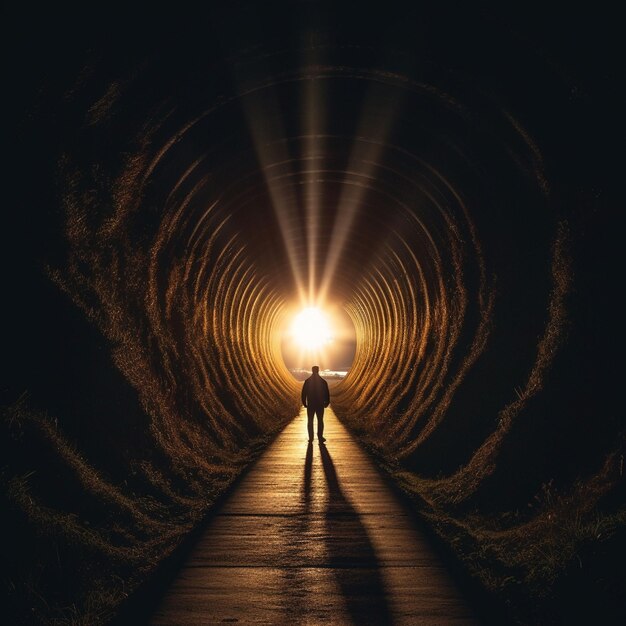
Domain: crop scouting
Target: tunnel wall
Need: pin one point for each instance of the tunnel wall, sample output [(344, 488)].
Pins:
[(165, 185)]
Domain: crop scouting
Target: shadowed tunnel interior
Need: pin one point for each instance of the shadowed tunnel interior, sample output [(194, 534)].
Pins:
[(179, 185)]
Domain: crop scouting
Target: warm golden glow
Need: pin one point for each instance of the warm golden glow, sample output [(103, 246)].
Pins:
[(310, 329)]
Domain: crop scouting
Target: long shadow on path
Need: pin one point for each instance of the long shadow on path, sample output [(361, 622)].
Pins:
[(351, 554)]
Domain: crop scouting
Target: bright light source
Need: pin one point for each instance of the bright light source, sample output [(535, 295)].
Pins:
[(310, 329)]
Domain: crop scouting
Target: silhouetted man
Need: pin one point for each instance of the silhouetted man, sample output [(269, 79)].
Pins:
[(315, 397)]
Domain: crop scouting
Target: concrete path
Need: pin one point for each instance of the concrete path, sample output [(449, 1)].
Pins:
[(313, 535)]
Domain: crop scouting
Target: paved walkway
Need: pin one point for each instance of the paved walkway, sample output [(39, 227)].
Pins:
[(313, 535)]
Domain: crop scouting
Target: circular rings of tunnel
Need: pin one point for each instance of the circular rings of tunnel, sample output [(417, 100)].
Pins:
[(205, 190), (203, 244)]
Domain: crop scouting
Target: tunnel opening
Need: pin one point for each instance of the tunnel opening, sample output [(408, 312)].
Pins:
[(318, 335)]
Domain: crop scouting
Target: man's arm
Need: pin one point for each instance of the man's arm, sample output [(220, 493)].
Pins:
[(303, 395), (326, 394)]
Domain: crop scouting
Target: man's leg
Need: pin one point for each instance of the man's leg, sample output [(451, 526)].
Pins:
[(310, 412), (320, 423)]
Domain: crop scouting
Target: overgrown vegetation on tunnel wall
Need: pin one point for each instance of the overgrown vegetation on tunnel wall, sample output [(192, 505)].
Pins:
[(534, 533), (188, 382), (448, 178)]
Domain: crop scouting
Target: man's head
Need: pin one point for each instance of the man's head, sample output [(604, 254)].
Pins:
[(315, 369)]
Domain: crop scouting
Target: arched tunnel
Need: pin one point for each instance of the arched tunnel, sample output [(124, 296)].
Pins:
[(180, 184)]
